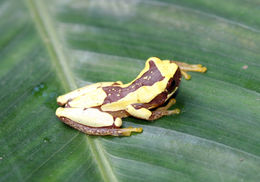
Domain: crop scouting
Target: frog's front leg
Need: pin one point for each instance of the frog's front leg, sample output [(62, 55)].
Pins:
[(93, 121), (144, 113), (184, 67), (163, 111)]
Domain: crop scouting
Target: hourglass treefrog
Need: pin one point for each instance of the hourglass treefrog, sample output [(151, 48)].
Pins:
[(98, 109)]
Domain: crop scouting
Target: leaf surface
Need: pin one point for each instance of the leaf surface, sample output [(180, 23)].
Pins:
[(50, 47)]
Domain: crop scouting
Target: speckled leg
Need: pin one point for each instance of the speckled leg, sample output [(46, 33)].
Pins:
[(164, 108), (190, 67), (101, 131), (162, 111)]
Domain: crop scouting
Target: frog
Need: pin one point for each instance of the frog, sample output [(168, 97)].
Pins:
[(98, 109)]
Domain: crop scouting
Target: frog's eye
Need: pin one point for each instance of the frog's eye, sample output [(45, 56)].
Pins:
[(174, 81), (170, 85)]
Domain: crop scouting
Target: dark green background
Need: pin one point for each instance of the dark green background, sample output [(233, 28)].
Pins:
[(49, 47)]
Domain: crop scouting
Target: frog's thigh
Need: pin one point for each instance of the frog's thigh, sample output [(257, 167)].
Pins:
[(91, 117)]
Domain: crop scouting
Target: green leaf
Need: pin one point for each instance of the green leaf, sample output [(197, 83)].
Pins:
[(49, 47)]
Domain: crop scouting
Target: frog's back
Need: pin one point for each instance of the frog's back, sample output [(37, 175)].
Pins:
[(88, 96), (152, 81), (114, 96)]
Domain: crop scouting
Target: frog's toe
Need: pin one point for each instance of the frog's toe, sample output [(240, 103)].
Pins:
[(128, 131)]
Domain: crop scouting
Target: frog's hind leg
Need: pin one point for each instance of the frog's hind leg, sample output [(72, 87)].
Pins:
[(163, 111), (184, 67), (169, 104), (101, 131), (92, 121)]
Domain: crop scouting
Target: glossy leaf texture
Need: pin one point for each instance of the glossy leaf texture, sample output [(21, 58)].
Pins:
[(49, 47)]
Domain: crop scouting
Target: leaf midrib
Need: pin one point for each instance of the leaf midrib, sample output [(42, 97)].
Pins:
[(59, 60)]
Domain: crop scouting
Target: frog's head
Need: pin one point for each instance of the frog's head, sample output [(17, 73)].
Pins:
[(161, 70), (173, 83)]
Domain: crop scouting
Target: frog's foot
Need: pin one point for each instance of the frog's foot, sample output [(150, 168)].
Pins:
[(158, 114), (186, 75), (163, 111), (170, 103), (128, 131), (184, 67)]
